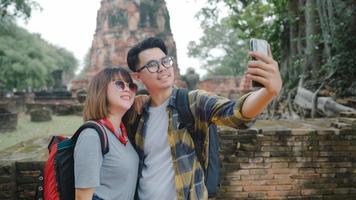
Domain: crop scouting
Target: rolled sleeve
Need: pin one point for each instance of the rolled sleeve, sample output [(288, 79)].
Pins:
[(248, 122), (210, 108)]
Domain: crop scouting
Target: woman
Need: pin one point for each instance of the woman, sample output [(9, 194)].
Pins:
[(112, 176)]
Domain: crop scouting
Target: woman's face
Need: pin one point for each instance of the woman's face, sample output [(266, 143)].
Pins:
[(120, 96)]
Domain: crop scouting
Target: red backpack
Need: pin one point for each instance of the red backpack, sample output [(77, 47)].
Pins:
[(56, 182)]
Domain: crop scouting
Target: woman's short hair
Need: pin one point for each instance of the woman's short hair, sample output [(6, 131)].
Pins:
[(96, 103)]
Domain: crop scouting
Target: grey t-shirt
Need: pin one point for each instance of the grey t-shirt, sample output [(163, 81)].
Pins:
[(113, 176), (158, 179)]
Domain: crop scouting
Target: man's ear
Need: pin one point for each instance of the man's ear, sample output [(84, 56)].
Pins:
[(136, 76)]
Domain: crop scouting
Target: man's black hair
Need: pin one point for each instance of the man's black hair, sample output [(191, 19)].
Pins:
[(149, 43)]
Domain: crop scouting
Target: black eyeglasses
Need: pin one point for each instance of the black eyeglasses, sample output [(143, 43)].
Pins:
[(121, 86), (154, 65)]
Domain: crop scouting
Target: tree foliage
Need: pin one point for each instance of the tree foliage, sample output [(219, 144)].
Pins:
[(224, 45), (220, 51), (26, 60), (86, 66), (17, 8), (309, 38)]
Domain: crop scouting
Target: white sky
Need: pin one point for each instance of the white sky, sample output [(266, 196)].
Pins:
[(71, 24)]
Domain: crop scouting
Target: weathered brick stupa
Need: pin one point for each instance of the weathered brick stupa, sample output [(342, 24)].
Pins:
[(123, 23)]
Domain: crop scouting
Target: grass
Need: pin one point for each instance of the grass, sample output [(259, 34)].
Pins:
[(26, 130)]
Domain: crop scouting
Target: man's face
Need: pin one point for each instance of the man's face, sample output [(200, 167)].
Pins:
[(155, 79)]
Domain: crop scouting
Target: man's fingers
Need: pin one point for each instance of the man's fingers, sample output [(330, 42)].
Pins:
[(257, 72), (259, 64), (260, 56), (258, 79)]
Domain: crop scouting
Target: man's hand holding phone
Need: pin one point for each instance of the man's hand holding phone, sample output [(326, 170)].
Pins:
[(264, 69)]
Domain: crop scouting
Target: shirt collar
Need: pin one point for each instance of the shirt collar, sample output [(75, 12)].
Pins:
[(171, 103)]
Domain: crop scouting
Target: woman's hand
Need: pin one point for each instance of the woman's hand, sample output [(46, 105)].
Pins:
[(140, 101)]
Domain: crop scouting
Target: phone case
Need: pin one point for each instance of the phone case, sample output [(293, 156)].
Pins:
[(258, 45)]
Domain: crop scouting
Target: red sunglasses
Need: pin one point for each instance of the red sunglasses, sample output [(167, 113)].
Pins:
[(121, 86)]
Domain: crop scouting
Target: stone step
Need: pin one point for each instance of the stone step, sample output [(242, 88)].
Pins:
[(350, 114)]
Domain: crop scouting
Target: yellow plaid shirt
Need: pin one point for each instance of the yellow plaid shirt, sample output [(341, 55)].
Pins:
[(206, 108)]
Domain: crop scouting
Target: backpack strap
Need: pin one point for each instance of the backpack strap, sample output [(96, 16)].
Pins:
[(212, 169), (186, 119), (185, 115), (100, 130)]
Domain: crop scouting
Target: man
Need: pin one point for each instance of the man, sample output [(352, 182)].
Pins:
[(169, 168)]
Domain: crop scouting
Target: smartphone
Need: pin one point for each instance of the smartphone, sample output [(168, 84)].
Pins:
[(261, 46)]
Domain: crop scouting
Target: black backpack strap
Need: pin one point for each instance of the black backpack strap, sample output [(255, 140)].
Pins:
[(186, 119), (185, 115), (212, 170), (99, 129)]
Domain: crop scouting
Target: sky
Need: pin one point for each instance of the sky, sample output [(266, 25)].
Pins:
[(71, 24)]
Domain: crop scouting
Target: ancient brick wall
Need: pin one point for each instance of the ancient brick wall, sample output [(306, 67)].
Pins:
[(268, 163), (18, 180), (289, 164), (222, 85)]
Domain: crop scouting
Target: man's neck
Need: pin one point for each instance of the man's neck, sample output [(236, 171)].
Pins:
[(160, 96)]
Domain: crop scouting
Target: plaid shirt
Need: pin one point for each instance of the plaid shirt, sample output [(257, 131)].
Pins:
[(206, 108)]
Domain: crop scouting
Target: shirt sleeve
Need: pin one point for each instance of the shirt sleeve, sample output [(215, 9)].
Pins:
[(87, 159), (209, 108)]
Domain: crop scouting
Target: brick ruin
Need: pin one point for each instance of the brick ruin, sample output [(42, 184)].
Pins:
[(123, 23), (275, 160), (307, 159), (58, 100), (8, 112), (221, 85)]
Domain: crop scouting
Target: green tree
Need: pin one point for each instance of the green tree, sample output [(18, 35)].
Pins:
[(86, 65), (17, 8), (309, 38), (26, 60), (224, 45), (220, 50)]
